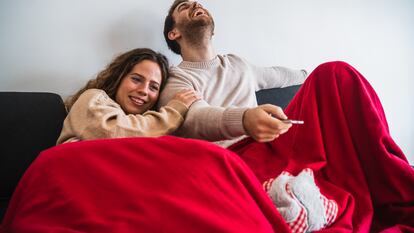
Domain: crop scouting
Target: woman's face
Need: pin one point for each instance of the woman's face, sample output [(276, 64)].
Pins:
[(139, 90)]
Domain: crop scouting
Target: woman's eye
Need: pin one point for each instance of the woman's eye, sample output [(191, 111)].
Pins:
[(154, 88), (136, 79)]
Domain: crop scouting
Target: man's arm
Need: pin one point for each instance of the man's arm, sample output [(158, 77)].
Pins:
[(271, 77), (262, 123), (204, 121), (277, 76)]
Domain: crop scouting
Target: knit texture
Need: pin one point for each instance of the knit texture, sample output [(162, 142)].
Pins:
[(95, 115), (300, 202), (227, 85)]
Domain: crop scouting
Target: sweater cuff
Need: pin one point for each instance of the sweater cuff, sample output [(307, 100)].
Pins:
[(233, 122), (178, 106)]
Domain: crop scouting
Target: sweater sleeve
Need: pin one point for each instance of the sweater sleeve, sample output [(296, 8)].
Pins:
[(203, 121), (95, 115), (277, 76)]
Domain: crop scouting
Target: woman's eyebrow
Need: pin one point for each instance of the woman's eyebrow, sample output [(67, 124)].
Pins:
[(136, 74)]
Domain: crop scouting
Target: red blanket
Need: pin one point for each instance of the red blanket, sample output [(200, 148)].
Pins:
[(140, 185), (346, 141), (180, 185)]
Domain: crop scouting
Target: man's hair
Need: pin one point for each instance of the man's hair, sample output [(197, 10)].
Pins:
[(169, 24), (110, 78)]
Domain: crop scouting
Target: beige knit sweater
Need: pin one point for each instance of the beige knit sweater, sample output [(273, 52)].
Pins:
[(227, 84), (95, 115)]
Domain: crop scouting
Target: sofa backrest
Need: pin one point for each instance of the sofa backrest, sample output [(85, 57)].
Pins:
[(277, 96), (29, 123)]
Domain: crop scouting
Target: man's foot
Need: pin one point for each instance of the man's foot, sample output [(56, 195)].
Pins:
[(300, 202)]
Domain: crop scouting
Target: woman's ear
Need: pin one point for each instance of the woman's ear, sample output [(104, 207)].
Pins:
[(174, 34)]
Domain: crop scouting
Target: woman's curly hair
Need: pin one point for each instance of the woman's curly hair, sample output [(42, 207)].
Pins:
[(110, 78)]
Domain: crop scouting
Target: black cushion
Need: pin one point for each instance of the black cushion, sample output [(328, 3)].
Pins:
[(277, 96), (29, 123)]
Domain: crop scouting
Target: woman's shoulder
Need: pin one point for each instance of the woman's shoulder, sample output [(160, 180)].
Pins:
[(94, 94), (92, 97)]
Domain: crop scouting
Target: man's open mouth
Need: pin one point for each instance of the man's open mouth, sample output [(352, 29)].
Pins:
[(197, 12)]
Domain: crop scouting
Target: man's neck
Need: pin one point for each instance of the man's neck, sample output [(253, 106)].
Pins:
[(198, 53)]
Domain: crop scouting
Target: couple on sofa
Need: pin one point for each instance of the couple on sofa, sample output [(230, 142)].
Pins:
[(340, 170)]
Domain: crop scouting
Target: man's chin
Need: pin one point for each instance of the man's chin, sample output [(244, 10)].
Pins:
[(196, 29), (201, 24)]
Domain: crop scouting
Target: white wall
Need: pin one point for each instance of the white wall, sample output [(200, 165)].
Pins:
[(49, 45)]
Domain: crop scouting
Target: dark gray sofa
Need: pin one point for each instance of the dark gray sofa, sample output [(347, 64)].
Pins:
[(31, 122)]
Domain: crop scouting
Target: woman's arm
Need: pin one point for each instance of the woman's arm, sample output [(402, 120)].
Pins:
[(95, 115)]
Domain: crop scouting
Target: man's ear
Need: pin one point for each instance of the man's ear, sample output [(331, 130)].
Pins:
[(174, 34)]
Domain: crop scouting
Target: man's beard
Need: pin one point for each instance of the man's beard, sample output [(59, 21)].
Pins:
[(195, 31)]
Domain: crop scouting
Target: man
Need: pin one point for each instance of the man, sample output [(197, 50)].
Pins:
[(227, 83), (345, 140)]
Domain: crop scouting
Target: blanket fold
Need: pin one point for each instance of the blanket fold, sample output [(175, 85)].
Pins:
[(346, 142), (165, 184)]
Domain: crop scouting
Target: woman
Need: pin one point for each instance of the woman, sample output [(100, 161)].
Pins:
[(118, 102)]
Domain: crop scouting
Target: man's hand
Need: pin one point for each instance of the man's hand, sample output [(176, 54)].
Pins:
[(263, 123)]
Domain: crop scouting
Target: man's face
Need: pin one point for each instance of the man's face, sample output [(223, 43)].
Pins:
[(190, 15)]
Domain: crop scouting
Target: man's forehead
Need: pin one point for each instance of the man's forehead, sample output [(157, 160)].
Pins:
[(183, 2)]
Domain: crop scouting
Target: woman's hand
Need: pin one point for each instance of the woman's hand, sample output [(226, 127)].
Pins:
[(187, 97)]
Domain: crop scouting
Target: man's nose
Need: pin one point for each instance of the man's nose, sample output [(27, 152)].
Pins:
[(196, 4)]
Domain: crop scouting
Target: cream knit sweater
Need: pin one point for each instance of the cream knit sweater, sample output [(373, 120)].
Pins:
[(227, 84), (95, 115)]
